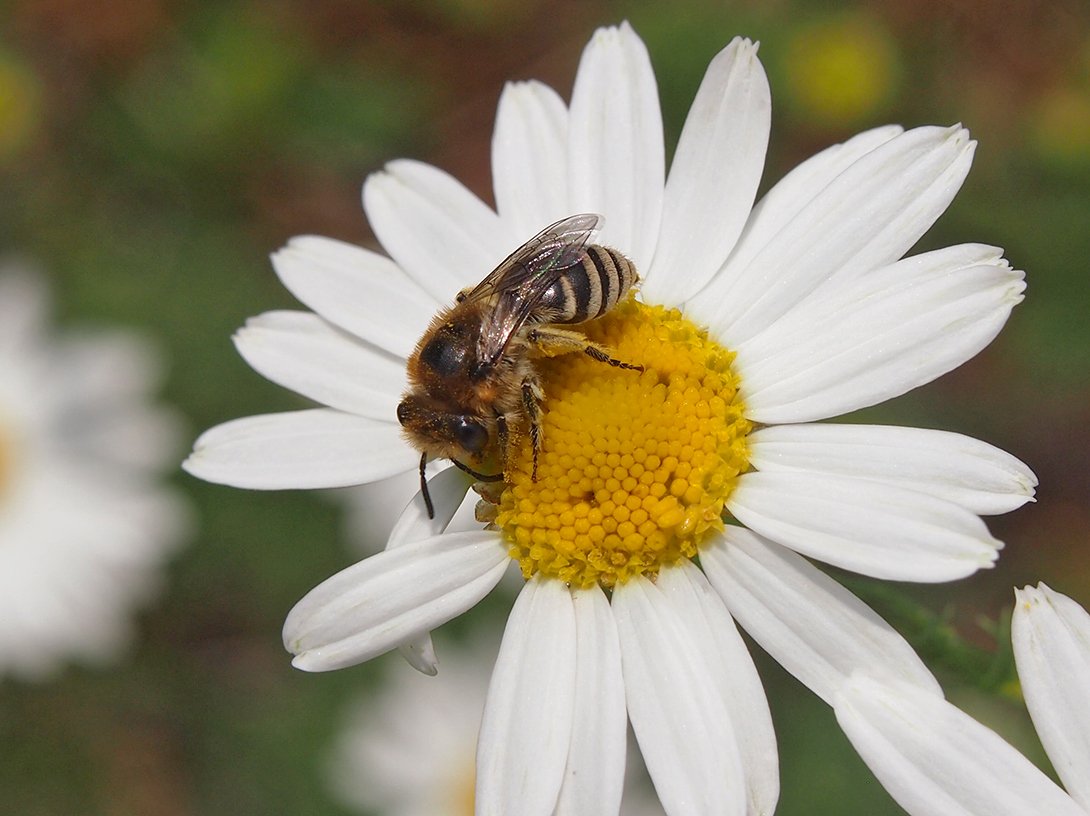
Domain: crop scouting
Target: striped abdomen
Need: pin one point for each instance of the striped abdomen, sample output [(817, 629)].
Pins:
[(589, 289)]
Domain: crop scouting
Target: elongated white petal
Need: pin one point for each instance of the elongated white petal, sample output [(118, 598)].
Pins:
[(875, 338), (361, 291), (736, 678), (594, 775), (318, 447), (973, 474), (527, 725), (447, 489), (876, 529), (371, 607), (811, 625), (714, 176), (681, 722), (867, 217), (784, 201), (419, 652), (616, 163), (530, 157), (1051, 636), (24, 306), (937, 761), (441, 234), (303, 352)]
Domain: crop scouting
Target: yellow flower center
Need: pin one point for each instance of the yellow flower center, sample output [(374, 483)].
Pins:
[(635, 467)]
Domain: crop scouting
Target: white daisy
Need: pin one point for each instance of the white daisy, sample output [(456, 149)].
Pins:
[(85, 524), (935, 759), (752, 323), (408, 749)]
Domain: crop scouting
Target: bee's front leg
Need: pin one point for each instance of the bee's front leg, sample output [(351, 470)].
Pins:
[(503, 436), (531, 404), (550, 341)]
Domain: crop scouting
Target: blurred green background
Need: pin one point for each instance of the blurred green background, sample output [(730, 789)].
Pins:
[(153, 154)]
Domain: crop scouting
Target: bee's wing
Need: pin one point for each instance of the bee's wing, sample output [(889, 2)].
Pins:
[(517, 284)]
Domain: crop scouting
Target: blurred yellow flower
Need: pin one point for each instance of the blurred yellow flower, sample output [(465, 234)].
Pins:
[(20, 106), (1061, 126), (840, 71)]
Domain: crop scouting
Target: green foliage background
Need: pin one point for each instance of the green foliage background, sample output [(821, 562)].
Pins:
[(152, 155)]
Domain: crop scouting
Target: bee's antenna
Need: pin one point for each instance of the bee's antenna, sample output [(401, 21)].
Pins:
[(424, 486)]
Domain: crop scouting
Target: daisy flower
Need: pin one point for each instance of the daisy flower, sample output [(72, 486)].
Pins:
[(408, 749), (85, 525), (752, 322), (935, 759)]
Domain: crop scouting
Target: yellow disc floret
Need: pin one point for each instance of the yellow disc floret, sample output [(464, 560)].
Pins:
[(635, 466)]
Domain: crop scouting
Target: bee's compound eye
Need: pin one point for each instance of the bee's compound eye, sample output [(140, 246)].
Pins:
[(472, 436)]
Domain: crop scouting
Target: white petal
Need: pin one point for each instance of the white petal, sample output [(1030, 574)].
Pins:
[(301, 351), (106, 367), (594, 776), (361, 291), (527, 724), (441, 234), (681, 722), (134, 436), (875, 338), (24, 306), (1051, 636), (733, 672), (867, 217), (811, 625), (937, 761), (372, 606), (973, 474), (447, 489), (419, 652), (530, 157), (318, 447), (714, 176), (790, 195), (875, 529), (616, 154)]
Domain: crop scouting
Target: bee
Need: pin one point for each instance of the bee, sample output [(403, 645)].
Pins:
[(472, 381)]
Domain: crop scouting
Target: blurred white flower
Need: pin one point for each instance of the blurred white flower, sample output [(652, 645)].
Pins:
[(85, 524), (408, 749), (935, 759)]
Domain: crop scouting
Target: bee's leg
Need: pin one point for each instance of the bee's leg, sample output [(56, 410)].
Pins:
[(549, 341), (503, 433), (531, 403)]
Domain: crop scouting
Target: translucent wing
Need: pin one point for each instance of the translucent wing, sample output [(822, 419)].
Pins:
[(517, 284)]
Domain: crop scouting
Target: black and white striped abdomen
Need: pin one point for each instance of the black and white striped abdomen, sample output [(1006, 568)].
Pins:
[(590, 288)]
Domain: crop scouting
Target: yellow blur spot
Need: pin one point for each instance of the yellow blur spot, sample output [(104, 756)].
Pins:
[(465, 791), (841, 71), (6, 461), (635, 467), (1061, 126), (20, 107)]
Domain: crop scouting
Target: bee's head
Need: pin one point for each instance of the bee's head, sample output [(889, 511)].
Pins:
[(444, 434)]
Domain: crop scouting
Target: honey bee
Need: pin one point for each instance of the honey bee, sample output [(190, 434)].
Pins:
[(472, 382)]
